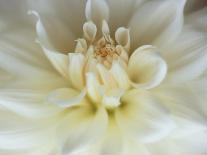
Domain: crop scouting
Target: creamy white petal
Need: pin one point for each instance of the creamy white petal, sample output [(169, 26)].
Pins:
[(198, 19), (143, 118), (75, 69), (29, 103), (118, 17), (47, 26), (112, 141), (106, 77), (187, 58), (71, 12), (122, 37), (97, 11), (89, 31), (93, 87), (146, 67), (112, 98), (20, 56), (182, 101), (120, 75), (66, 97), (22, 133), (170, 15), (81, 129), (58, 60), (105, 28)]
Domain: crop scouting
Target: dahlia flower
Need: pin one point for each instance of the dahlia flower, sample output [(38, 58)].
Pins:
[(103, 77)]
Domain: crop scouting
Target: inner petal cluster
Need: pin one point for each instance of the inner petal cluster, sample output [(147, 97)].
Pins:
[(101, 69)]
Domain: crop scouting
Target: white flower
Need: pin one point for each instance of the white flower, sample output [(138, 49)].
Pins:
[(103, 77)]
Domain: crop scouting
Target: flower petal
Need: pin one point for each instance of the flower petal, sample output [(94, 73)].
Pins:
[(143, 117), (58, 60), (21, 133), (111, 98), (120, 75), (80, 129), (106, 77), (146, 30), (66, 97), (122, 37), (146, 68), (198, 19), (116, 11), (97, 11), (17, 46), (187, 58), (93, 87), (29, 103), (76, 66), (46, 28), (70, 12), (89, 31)]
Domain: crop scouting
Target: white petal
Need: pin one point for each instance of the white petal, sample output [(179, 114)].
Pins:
[(198, 19), (106, 77), (58, 60), (187, 58), (48, 36), (146, 30), (17, 46), (120, 75), (118, 17), (28, 103), (20, 133), (146, 68), (143, 117), (97, 11), (76, 66), (89, 31), (81, 46), (111, 98), (182, 101), (71, 12), (66, 97), (81, 129), (105, 28), (113, 141), (93, 87), (122, 37)]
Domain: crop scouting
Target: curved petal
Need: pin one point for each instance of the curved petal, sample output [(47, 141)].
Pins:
[(116, 11), (198, 19), (93, 87), (113, 140), (143, 117), (89, 31), (146, 68), (122, 37), (120, 75), (53, 34), (18, 46), (146, 27), (111, 99), (106, 77), (75, 69), (183, 101), (97, 11), (81, 129), (66, 97), (187, 58), (29, 103), (58, 60), (70, 12), (18, 133)]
